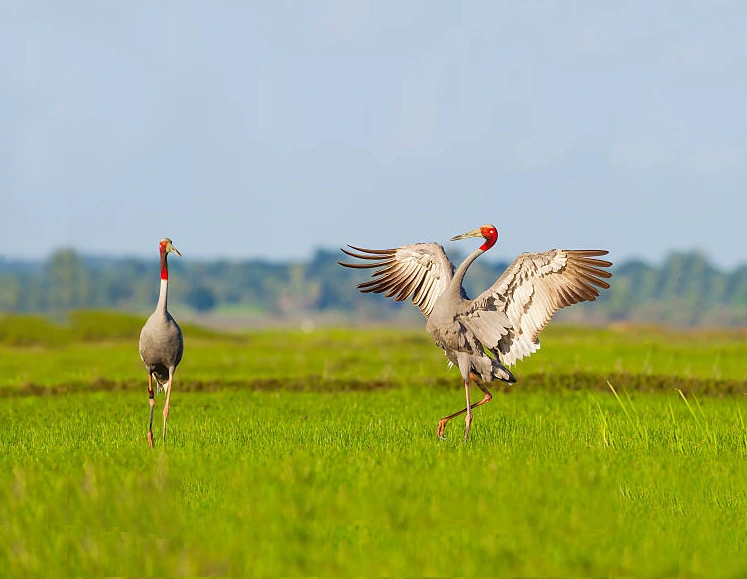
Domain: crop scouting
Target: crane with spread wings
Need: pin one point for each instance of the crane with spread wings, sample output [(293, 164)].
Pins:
[(486, 335)]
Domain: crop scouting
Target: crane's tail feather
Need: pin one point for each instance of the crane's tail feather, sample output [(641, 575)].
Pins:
[(489, 369), (162, 383), (500, 372)]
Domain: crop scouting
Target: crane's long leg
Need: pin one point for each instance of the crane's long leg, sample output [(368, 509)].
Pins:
[(486, 398), (151, 399), (168, 397)]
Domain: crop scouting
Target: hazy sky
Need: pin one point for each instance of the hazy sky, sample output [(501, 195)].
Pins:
[(269, 129)]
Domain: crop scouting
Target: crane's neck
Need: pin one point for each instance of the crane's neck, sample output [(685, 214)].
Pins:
[(456, 281), (163, 294)]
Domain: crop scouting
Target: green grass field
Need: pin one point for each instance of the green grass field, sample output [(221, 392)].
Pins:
[(315, 454)]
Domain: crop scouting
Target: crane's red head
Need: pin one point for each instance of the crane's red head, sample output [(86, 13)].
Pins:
[(488, 232), (166, 246)]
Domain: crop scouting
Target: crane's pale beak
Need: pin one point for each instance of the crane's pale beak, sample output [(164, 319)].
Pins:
[(474, 233), (170, 247)]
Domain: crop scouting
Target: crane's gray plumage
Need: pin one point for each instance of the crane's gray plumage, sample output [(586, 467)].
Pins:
[(161, 342), (161, 345), (490, 333)]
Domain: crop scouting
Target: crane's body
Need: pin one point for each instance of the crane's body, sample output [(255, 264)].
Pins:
[(461, 346), (161, 345), (484, 336), (161, 342)]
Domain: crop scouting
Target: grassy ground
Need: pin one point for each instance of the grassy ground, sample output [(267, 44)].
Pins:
[(292, 453)]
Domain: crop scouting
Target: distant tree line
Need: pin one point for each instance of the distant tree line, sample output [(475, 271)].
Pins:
[(685, 290)]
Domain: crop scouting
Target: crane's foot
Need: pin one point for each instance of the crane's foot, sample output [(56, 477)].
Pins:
[(150, 438), (441, 428)]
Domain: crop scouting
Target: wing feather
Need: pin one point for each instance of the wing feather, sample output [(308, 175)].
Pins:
[(421, 271), (531, 291)]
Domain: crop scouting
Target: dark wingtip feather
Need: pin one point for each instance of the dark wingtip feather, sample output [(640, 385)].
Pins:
[(368, 257), (590, 252), (373, 251), (358, 265)]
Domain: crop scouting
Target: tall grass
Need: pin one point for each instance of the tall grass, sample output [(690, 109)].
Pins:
[(263, 483), (618, 453)]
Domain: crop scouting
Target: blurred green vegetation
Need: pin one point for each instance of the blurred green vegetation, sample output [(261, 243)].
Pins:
[(77, 326), (98, 350), (685, 290)]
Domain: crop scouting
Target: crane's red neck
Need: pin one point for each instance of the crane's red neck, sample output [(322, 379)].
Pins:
[(164, 262), (491, 236)]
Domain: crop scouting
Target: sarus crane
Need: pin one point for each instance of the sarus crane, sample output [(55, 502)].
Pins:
[(161, 342), (486, 335)]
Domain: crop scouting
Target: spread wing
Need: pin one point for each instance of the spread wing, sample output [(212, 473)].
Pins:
[(420, 270), (531, 290)]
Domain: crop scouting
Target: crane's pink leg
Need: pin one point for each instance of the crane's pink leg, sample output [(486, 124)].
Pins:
[(152, 404), (168, 397), (468, 410), (487, 398)]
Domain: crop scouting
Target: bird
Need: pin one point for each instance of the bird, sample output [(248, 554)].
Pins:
[(161, 342), (483, 337)]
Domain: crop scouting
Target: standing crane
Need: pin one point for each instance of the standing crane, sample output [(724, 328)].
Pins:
[(486, 335), (161, 342)]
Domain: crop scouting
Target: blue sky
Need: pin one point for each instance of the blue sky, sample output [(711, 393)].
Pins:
[(270, 129)]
